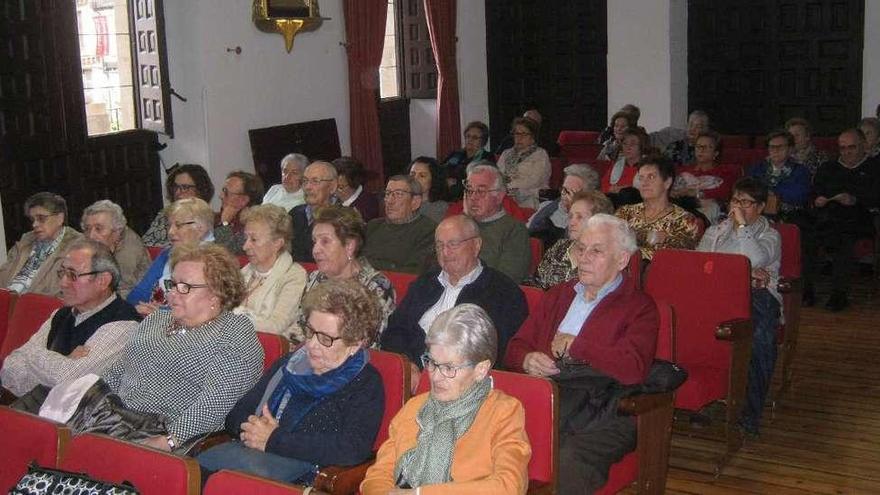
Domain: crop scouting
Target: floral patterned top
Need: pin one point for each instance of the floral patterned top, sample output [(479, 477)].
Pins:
[(557, 266), (682, 229)]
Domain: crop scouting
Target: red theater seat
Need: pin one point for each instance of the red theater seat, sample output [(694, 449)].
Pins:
[(791, 288), (7, 302), (234, 483), (274, 346), (401, 282), (27, 438), (30, 311)]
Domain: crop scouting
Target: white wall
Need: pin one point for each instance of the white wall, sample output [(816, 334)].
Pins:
[(870, 59)]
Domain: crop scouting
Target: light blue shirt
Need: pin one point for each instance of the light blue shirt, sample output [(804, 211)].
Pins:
[(581, 309)]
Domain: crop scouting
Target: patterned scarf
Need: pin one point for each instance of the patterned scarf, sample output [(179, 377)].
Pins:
[(516, 158), (441, 424), (41, 250)]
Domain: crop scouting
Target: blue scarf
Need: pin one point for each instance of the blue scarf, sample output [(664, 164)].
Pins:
[(300, 390)]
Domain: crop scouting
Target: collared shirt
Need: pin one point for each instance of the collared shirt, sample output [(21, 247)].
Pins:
[(81, 317), (449, 296), (581, 309), (310, 210), (354, 196)]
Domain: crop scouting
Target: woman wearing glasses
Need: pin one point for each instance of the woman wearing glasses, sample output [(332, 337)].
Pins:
[(184, 181), (191, 222), (526, 166), (463, 436), (319, 405)]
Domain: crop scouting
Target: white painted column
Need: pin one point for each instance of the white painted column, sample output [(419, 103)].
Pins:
[(870, 59)]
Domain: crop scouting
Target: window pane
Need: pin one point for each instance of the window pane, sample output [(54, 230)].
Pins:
[(105, 56), (389, 86)]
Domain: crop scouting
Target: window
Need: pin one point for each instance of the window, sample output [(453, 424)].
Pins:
[(389, 79), (407, 68)]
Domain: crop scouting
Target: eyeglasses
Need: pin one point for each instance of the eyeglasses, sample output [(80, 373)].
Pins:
[(568, 192), (453, 245), (323, 339), (777, 146), (71, 274), (521, 134), (397, 194), (183, 187), (702, 147), (479, 193), (226, 191), (182, 287), (447, 370), (744, 202), (42, 218), (315, 182), (473, 137), (180, 225)]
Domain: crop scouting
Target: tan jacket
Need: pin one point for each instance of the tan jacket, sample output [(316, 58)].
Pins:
[(492, 457), (133, 260), (45, 281), (274, 306)]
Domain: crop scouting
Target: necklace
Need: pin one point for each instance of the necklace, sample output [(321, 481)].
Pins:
[(178, 328)]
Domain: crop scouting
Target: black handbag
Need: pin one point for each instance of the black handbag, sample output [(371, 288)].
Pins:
[(44, 481)]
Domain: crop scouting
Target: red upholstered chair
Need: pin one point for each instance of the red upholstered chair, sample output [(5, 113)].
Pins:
[(151, 471), (579, 146), (533, 297), (7, 302), (308, 266), (742, 157), (154, 251), (634, 269), (242, 260), (274, 346), (401, 282), (828, 144), (557, 165), (27, 438), (736, 141), (791, 288), (234, 483), (537, 250), (30, 311), (711, 294)]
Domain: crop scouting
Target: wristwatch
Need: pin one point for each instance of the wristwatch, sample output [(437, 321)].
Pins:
[(172, 442)]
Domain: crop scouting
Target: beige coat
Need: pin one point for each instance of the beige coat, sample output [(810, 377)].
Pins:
[(274, 305), (45, 281), (133, 260)]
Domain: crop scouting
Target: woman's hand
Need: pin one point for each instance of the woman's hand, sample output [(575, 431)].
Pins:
[(157, 442), (760, 278), (146, 308), (256, 432), (79, 351), (739, 217), (539, 364)]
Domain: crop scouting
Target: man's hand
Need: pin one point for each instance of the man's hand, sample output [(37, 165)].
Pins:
[(820, 201), (229, 212), (256, 432), (79, 351), (539, 364), (760, 278), (846, 199), (561, 343), (157, 442)]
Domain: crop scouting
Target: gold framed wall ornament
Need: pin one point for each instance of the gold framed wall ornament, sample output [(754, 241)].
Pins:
[(287, 17)]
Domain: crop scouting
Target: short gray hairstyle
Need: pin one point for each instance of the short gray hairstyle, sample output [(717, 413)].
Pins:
[(699, 114), (196, 208), (487, 166), (53, 203), (327, 166), (414, 187), (468, 330), (585, 173), (623, 233), (102, 259), (117, 217), (301, 161)]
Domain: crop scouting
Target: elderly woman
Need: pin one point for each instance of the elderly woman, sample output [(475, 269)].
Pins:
[(191, 222), (321, 404), (289, 193), (526, 166), (463, 436), (184, 181), (683, 151), (656, 221), (350, 188), (425, 170), (274, 284), (804, 152), (787, 180), (191, 364), (476, 137), (622, 174), (706, 180), (551, 219), (559, 263), (31, 264), (611, 147), (870, 126), (103, 221), (338, 236)]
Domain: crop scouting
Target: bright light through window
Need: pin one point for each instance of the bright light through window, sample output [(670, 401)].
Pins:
[(389, 82)]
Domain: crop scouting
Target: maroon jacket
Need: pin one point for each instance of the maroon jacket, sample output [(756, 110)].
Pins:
[(619, 338)]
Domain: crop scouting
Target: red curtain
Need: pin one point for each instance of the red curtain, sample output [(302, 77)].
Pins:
[(365, 34), (441, 26)]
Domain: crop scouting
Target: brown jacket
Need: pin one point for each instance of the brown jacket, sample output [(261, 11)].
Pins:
[(45, 281), (133, 260)]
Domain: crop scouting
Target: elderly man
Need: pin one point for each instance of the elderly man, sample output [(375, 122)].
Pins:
[(505, 240), (846, 190), (460, 279), (85, 335), (289, 193), (240, 190), (103, 221), (682, 149), (319, 183), (401, 241), (550, 222), (600, 319)]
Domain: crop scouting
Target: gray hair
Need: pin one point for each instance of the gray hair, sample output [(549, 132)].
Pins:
[(585, 173), (301, 161), (487, 166), (53, 203), (467, 329), (102, 259), (414, 187), (196, 208), (468, 224), (623, 233), (117, 217), (329, 168), (699, 114)]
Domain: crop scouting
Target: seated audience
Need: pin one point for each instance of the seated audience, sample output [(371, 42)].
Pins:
[(402, 240), (350, 188), (846, 191), (191, 364), (709, 182), (33, 260), (787, 180), (507, 140), (551, 219), (319, 183), (184, 181), (461, 278), (240, 190), (804, 151), (462, 436), (747, 232), (505, 240), (103, 221), (559, 264), (634, 112), (476, 137), (611, 146), (319, 405), (870, 127), (620, 178), (191, 222), (601, 319), (85, 335), (657, 222), (338, 237), (684, 151), (290, 192), (425, 170), (526, 166), (273, 282)]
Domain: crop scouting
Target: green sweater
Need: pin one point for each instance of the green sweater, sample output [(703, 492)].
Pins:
[(407, 247), (506, 247)]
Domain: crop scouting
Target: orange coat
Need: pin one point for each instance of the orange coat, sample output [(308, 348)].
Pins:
[(491, 457)]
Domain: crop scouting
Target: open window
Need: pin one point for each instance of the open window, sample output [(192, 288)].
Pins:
[(407, 69)]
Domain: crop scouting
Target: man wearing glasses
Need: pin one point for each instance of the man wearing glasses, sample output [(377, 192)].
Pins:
[(402, 240), (462, 278), (240, 190), (319, 182), (550, 221), (85, 335)]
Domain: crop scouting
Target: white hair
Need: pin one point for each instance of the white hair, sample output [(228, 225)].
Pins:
[(301, 161), (117, 217), (489, 167), (623, 233), (585, 173), (467, 329)]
